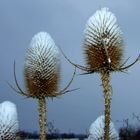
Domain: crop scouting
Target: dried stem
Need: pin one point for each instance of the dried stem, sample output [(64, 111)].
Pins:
[(73, 64), (42, 117), (105, 77)]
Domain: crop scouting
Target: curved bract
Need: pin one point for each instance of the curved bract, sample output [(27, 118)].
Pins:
[(42, 66), (8, 121), (103, 44), (96, 131)]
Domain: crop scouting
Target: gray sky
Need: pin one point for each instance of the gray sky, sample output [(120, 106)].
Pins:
[(65, 21)]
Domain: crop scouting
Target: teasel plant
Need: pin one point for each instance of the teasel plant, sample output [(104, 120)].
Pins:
[(103, 50), (9, 125), (42, 75), (96, 130)]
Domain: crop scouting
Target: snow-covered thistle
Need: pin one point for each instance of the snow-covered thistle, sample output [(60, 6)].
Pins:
[(42, 66), (42, 74), (103, 49), (8, 121), (103, 41), (96, 131)]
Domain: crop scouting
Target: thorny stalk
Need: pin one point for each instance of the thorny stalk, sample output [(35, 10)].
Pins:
[(105, 78), (42, 118)]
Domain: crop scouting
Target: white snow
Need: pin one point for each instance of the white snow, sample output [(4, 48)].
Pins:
[(42, 55), (96, 130), (43, 40), (8, 119), (102, 27)]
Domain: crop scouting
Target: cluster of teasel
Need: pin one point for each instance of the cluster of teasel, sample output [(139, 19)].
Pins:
[(103, 48)]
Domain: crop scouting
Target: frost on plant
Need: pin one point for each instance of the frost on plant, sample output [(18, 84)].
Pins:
[(96, 131), (104, 50), (103, 43), (8, 121), (42, 66), (42, 74)]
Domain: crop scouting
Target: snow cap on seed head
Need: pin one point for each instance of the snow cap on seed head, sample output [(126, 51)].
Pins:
[(8, 121), (96, 131), (103, 43), (42, 66)]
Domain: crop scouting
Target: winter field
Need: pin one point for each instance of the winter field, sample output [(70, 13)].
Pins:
[(59, 139)]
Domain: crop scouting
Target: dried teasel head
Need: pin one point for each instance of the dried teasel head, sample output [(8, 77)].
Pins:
[(103, 44), (42, 66), (8, 121), (96, 131)]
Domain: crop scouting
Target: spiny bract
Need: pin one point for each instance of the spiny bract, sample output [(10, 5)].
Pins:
[(96, 131), (8, 121), (42, 66), (103, 44)]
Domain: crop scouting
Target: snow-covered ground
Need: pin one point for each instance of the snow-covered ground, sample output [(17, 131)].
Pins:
[(58, 139)]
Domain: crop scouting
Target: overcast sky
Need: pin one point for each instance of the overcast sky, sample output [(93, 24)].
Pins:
[(65, 21)]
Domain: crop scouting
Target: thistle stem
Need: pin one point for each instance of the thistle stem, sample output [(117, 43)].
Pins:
[(105, 77), (42, 118)]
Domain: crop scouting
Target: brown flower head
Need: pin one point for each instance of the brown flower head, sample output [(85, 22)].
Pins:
[(42, 66), (103, 45)]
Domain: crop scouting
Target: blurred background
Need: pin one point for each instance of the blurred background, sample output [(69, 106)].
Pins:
[(65, 20)]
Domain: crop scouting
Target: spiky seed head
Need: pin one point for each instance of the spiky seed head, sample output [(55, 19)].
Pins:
[(103, 44), (8, 121), (96, 131), (42, 66)]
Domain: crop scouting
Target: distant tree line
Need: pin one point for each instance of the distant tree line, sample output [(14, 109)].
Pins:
[(24, 135), (53, 133), (128, 131)]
